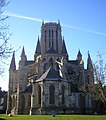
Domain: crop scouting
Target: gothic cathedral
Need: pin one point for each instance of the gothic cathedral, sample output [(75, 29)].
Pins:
[(50, 82)]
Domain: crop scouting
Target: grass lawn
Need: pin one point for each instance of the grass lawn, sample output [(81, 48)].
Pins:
[(50, 117)]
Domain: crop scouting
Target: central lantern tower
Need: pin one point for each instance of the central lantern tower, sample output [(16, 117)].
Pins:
[(51, 39)]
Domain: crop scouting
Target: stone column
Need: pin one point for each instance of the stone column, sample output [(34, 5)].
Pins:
[(8, 104), (33, 109)]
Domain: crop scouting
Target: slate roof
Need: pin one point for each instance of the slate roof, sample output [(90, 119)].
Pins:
[(51, 51), (50, 74), (75, 62), (29, 62), (28, 89), (64, 50)]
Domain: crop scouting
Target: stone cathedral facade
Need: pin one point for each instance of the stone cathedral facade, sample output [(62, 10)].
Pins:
[(50, 82)]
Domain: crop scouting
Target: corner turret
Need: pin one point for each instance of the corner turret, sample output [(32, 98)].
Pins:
[(23, 58), (38, 49), (58, 21), (90, 69), (42, 22)]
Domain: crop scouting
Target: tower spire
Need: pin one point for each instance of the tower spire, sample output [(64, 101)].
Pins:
[(64, 50), (89, 62), (23, 56), (79, 56), (38, 48), (13, 64), (23, 52)]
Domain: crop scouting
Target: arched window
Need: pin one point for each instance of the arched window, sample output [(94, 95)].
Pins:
[(49, 32), (39, 94), (45, 40), (52, 32), (52, 43), (13, 102), (51, 62), (82, 103), (22, 103), (51, 94), (73, 100), (44, 67), (45, 35), (63, 94)]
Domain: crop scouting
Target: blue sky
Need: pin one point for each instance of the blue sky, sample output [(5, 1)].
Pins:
[(83, 26)]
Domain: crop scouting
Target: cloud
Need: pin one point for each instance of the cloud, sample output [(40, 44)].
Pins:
[(23, 17), (84, 29), (66, 26)]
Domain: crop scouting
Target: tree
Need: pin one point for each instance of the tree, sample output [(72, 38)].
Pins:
[(5, 48), (100, 70), (97, 89)]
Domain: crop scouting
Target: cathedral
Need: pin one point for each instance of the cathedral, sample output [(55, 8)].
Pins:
[(50, 82)]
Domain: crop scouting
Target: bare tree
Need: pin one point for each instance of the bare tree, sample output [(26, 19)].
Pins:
[(5, 48), (100, 70), (97, 89)]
